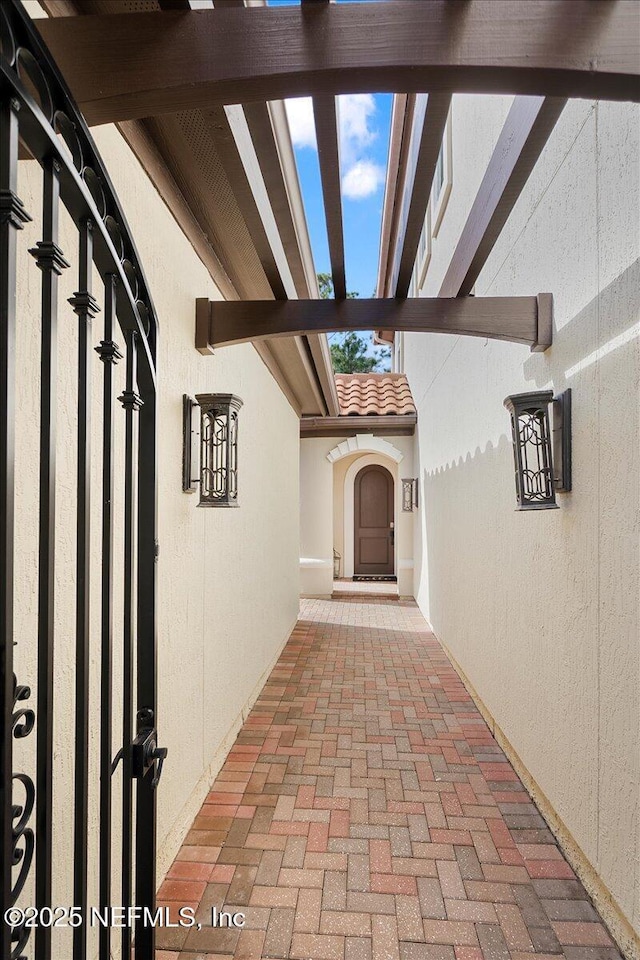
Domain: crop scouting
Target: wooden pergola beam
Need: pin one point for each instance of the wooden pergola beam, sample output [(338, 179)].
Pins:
[(239, 181), (525, 132), (519, 319), (260, 127), (429, 121), (326, 120), (142, 64), (327, 136)]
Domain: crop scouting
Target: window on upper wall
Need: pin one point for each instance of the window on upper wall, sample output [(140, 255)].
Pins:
[(398, 352), (424, 252), (442, 180)]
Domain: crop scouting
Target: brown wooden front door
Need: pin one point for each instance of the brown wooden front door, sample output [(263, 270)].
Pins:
[(373, 514)]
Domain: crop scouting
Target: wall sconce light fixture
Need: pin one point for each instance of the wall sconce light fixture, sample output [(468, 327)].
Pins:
[(218, 436), (409, 494), (541, 447)]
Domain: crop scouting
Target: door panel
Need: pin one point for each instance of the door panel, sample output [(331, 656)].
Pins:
[(374, 518)]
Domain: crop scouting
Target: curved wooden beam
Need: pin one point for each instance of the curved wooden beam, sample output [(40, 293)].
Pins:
[(519, 319), (140, 64)]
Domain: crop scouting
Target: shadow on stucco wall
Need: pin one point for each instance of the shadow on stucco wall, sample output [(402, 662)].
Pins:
[(540, 608), (604, 326), (596, 354)]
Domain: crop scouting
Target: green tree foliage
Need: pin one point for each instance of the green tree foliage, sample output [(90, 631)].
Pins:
[(350, 355), (349, 352)]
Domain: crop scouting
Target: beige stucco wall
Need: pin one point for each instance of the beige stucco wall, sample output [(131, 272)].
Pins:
[(326, 490), (228, 579), (540, 610)]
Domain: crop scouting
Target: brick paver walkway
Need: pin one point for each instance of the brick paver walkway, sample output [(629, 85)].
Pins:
[(365, 811)]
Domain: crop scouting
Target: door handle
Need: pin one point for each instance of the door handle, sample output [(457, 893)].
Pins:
[(392, 532)]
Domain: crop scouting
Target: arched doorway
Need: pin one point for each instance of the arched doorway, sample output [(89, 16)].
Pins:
[(373, 531)]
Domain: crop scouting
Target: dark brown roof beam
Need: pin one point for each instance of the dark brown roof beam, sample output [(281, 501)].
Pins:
[(325, 114), (525, 132), (141, 64), (401, 106), (261, 129), (518, 319), (429, 120), (273, 157), (326, 121)]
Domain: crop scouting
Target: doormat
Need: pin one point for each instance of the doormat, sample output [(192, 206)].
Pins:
[(380, 579)]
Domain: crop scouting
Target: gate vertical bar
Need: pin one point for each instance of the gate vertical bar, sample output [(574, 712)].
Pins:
[(147, 648), (131, 403), (12, 217), (51, 262), (109, 354), (76, 177), (86, 308)]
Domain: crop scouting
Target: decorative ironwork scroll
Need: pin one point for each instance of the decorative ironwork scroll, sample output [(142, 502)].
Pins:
[(23, 723), (37, 110)]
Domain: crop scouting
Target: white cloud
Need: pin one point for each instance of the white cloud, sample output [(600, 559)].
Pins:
[(301, 124), (355, 111), (361, 177), (362, 180)]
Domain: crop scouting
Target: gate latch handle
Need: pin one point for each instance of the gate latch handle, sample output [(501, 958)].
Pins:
[(144, 754), (160, 754)]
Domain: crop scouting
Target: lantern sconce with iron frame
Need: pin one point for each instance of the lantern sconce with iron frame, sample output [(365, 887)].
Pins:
[(541, 447), (409, 494), (217, 438)]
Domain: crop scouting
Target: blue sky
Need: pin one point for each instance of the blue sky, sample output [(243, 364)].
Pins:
[(365, 120)]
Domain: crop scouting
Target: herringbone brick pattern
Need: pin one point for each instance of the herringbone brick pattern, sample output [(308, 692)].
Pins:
[(366, 813)]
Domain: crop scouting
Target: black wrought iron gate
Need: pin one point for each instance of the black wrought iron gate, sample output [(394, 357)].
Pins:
[(39, 119)]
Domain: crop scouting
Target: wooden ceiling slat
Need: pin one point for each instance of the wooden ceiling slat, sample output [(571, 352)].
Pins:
[(261, 130), (402, 106), (326, 123), (429, 121), (525, 132), (141, 64), (325, 113), (239, 182), (519, 319), (146, 149)]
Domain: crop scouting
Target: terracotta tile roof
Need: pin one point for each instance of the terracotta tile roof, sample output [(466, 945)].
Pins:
[(374, 394)]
